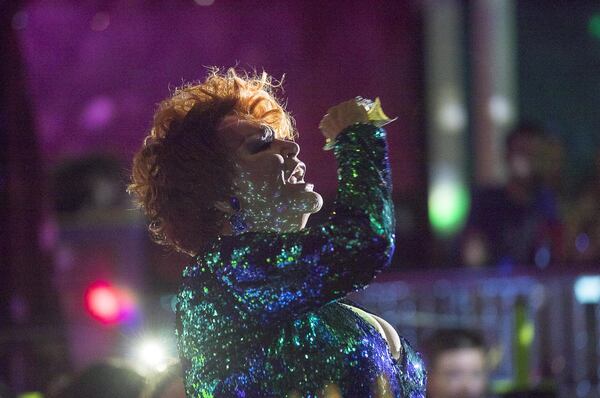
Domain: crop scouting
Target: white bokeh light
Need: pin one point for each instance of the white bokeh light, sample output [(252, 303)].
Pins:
[(587, 289), (452, 117), (152, 354), (501, 110)]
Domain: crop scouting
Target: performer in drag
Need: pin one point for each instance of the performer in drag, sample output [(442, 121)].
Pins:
[(261, 310)]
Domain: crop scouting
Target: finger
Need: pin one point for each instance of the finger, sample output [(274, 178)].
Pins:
[(345, 111), (323, 120), (330, 130), (327, 127), (324, 123)]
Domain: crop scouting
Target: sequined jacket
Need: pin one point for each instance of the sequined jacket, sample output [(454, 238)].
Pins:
[(259, 314)]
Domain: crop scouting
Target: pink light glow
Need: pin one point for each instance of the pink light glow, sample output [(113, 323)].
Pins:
[(109, 304)]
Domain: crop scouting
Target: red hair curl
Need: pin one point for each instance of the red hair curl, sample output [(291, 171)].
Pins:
[(182, 168)]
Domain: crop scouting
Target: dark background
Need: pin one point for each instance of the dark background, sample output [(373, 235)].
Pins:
[(79, 82)]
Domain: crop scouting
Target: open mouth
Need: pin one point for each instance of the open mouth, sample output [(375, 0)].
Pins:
[(296, 179), (297, 175)]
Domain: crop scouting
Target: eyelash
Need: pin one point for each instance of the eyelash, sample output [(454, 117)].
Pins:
[(268, 133), (265, 140), (263, 146)]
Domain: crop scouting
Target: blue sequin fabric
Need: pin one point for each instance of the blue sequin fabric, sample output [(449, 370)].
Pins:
[(260, 315)]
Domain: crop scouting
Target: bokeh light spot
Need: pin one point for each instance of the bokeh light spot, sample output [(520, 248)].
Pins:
[(110, 304), (448, 206), (594, 26), (587, 289), (542, 257), (100, 22), (452, 117), (98, 113), (501, 111), (102, 302), (582, 242), (526, 334), (19, 20), (151, 354)]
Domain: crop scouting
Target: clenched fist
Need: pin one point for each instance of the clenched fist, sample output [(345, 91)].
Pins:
[(341, 116)]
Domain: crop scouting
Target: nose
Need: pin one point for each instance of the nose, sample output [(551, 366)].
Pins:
[(289, 149)]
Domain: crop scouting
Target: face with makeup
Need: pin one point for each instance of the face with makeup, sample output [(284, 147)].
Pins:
[(269, 180)]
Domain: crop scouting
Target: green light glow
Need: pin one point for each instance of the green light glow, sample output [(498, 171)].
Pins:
[(448, 207), (594, 26), (31, 395), (526, 334)]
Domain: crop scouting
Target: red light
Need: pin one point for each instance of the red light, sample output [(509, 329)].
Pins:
[(106, 303)]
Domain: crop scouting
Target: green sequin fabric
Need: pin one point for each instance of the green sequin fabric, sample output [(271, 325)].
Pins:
[(259, 313)]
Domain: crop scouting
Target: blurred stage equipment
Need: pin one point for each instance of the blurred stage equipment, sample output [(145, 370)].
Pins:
[(107, 268), (32, 341), (100, 257), (448, 201), (487, 116), (542, 328), (587, 292), (87, 185), (494, 82)]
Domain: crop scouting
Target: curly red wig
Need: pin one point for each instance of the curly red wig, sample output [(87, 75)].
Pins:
[(182, 168)]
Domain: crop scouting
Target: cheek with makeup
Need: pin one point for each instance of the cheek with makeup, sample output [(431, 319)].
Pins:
[(269, 180), (269, 200)]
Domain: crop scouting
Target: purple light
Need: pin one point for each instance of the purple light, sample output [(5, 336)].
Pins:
[(582, 242), (19, 308), (100, 22), (542, 257), (19, 20), (48, 234), (98, 113)]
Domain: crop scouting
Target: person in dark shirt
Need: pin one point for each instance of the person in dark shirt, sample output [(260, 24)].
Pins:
[(516, 223), (582, 237)]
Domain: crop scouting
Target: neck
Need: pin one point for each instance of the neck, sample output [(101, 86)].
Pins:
[(280, 225)]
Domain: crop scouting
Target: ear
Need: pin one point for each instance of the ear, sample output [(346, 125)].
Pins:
[(224, 207)]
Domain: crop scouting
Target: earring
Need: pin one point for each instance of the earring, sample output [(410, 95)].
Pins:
[(238, 224)]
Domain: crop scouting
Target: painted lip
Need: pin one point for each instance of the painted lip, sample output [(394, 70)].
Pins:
[(297, 173)]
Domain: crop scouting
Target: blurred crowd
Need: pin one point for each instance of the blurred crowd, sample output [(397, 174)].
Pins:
[(538, 217), (458, 361), (115, 379)]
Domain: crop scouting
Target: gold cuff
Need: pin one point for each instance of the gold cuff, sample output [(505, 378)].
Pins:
[(375, 115)]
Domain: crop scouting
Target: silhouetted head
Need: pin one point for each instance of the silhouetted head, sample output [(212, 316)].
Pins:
[(104, 380), (226, 137), (522, 148)]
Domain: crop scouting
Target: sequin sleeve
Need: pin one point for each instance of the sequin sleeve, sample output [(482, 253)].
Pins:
[(281, 275)]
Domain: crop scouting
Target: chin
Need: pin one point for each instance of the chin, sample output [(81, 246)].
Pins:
[(317, 205), (306, 202), (303, 206), (317, 201)]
